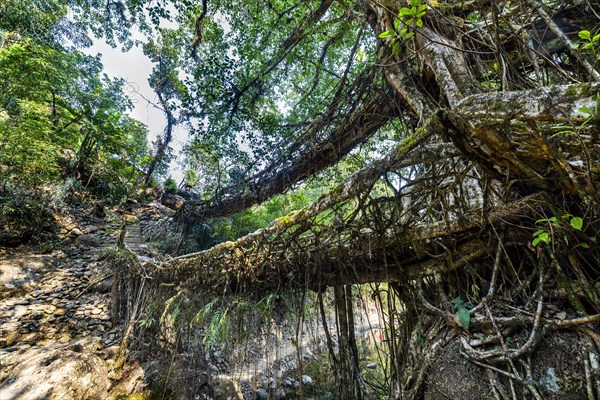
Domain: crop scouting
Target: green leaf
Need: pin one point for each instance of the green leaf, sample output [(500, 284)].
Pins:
[(584, 245), (586, 110), (596, 38), (576, 223), (569, 127), (424, 7), (464, 317), (561, 133), (409, 35), (539, 232), (584, 34), (385, 34), (544, 237), (397, 23), (421, 340), (541, 237), (593, 238), (419, 22)]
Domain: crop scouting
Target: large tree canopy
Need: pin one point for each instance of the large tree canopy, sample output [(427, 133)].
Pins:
[(285, 89), (279, 90)]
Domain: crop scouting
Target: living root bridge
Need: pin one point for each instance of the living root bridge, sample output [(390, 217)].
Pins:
[(356, 253)]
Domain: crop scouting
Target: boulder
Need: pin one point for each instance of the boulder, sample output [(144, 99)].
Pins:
[(129, 218), (261, 394), (65, 372), (172, 201), (307, 380), (75, 232), (88, 239)]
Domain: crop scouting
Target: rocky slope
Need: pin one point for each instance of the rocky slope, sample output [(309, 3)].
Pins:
[(57, 340)]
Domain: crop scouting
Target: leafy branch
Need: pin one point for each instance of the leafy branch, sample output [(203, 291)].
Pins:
[(590, 42), (407, 18), (544, 234)]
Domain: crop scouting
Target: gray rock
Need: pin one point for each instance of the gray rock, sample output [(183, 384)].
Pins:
[(371, 365), (57, 372), (88, 239), (75, 232), (307, 380), (280, 395), (104, 286), (288, 382), (261, 394)]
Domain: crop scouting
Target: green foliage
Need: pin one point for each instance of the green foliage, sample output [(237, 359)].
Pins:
[(571, 129), (60, 117), (540, 236), (24, 214), (172, 309), (147, 320), (258, 217), (170, 184), (201, 236), (576, 223), (462, 311), (565, 226), (219, 316), (590, 42), (44, 21), (407, 17), (190, 177)]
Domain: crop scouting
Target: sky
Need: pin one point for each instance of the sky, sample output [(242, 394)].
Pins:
[(135, 67)]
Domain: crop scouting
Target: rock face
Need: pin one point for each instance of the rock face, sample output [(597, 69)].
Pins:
[(56, 372)]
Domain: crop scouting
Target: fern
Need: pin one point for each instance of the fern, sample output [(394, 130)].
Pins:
[(176, 311)]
